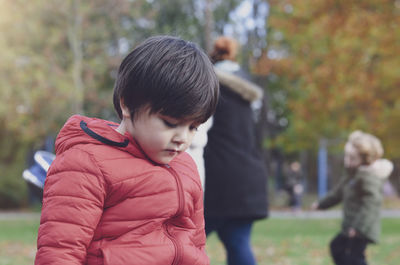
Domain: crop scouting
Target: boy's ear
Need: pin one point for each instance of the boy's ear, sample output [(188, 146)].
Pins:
[(125, 111)]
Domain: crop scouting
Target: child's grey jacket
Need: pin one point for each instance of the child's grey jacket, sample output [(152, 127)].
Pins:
[(362, 197)]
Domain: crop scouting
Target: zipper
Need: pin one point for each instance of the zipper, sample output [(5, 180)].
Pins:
[(181, 199), (177, 245)]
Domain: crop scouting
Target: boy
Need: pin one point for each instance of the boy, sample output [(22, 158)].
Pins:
[(128, 193), (361, 193)]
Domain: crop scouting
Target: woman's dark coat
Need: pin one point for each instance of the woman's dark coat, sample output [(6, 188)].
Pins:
[(236, 178)]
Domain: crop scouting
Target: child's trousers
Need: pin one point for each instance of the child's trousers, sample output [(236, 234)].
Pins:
[(348, 251)]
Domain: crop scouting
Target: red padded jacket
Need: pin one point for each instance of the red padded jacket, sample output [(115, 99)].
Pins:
[(106, 203)]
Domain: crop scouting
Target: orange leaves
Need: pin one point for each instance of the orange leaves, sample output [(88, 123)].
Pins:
[(263, 65), (344, 56)]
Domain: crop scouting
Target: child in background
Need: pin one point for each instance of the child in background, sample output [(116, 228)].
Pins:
[(294, 186), (361, 194), (128, 193)]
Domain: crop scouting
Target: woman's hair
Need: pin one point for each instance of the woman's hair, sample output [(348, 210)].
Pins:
[(224, 49), (368, 146), (171, 76)]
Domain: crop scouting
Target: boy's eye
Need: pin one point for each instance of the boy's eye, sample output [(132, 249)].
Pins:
[(193, 128), (174, 124), (169, 124)]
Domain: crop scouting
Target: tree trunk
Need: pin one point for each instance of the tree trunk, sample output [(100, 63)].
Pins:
[(208, 26), (75, 42)]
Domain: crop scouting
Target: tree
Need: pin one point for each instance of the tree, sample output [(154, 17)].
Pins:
[(59, 58), (338, 63)]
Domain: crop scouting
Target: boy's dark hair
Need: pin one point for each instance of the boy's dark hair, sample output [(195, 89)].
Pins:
[(172, 76)]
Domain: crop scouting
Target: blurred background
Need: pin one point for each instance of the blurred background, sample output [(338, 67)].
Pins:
[(327, 67)]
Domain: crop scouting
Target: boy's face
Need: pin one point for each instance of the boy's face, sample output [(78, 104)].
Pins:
[(352, 158), (161, 137)]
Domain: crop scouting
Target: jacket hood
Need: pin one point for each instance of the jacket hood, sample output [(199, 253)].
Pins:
[(83, 130), (382, 168), (225, 72)]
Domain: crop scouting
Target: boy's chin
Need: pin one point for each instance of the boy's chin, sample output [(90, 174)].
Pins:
[(162, 161)]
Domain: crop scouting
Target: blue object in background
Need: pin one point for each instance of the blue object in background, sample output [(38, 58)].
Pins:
[(322, 169), (36, 174)]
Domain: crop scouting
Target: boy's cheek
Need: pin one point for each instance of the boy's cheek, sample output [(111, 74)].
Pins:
[(187, 147), (189, 143)]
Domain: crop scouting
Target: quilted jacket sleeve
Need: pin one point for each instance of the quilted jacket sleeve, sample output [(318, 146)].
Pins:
[(333, 197), (72, 206)]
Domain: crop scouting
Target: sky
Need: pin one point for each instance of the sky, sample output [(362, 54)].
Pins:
[(245, 21)]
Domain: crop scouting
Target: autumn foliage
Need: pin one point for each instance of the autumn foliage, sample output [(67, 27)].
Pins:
[(341, 60)]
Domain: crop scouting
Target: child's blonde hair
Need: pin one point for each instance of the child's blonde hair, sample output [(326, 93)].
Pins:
[(368, 146)]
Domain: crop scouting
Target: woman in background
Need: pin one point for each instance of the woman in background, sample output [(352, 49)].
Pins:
[(236, 179)]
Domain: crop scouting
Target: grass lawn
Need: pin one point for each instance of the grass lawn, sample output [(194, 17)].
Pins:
[(18, 242), (275, 241), (305, 242)]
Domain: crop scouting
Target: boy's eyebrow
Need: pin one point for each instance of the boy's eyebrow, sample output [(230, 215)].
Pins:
[(163, 116), (182, 120)]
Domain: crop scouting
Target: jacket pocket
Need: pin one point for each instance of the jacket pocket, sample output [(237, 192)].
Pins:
[(138, 255)]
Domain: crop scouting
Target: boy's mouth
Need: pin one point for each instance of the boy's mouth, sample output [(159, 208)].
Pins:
[(173, 150)]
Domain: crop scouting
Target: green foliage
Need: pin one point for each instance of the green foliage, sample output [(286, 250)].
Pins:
[(12, 186), (59, 58)]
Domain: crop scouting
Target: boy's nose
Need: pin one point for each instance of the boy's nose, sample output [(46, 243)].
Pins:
[(181, 137)]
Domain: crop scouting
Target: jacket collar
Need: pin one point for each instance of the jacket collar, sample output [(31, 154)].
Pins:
[(226, 72), (382, 168), (83, 130)]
